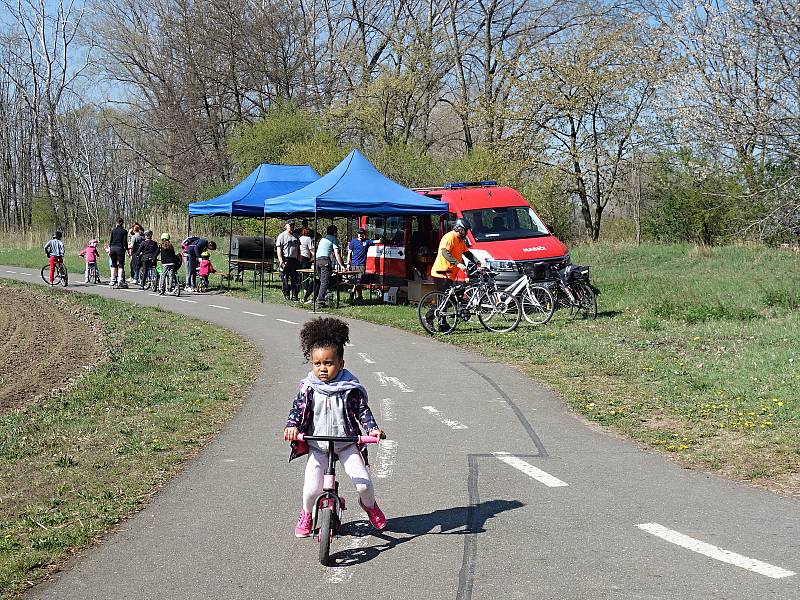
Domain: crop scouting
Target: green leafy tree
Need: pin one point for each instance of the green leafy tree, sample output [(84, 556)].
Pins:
[(269, 140)]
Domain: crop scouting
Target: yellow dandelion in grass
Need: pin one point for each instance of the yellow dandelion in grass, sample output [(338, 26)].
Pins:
[(695, 338)]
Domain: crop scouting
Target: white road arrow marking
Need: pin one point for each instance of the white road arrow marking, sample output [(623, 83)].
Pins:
[(385, 380), (366, 358), (449, 422)]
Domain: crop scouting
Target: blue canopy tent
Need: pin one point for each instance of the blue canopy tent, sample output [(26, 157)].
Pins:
[(248, 198), (353, 187)]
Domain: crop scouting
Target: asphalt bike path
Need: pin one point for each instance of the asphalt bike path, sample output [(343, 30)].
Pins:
[(491, 486)]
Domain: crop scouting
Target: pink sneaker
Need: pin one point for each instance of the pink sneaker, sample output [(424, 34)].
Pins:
[(375, 514), (303, 527)]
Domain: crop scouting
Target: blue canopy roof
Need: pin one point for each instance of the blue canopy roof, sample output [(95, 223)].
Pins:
[(354, 187), (247, 199)]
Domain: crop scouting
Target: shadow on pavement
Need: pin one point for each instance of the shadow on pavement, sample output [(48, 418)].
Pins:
[(459, 520)]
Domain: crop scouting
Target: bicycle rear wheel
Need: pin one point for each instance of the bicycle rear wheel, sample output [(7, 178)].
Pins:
[(538, 305), (586, 299), (499, 311), (61, 269), (325, 535), (438, 313)]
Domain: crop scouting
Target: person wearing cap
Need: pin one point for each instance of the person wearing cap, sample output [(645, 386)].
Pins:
[(357, 260), (450, 256), (287, 245), (147, 255)]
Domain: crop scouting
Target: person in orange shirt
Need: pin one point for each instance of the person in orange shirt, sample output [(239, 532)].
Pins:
[(450, 256)]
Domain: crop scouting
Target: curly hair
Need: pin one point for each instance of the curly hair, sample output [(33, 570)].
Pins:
[(324, 332)]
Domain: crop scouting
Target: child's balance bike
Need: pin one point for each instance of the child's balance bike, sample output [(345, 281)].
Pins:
[(328, 506)]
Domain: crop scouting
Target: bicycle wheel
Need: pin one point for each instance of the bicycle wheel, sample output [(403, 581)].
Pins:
[(46, 274), (325, 535), (538, 305), (499, 311), (586, 299), (438, 313)]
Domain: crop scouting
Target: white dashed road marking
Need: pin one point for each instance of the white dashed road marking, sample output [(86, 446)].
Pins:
[(387, 410), (186, 300), (714, 552), (449, 422), (385, 380), (387, 451), (289, 322), (530, 470), (366, 358), (247, 312), (12, 272), (218, 306)]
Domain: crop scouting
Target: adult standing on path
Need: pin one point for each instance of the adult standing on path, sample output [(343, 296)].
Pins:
[(329, 245), (137, 237), (288, 247), (117, 247), (193, 252), (450, 256)]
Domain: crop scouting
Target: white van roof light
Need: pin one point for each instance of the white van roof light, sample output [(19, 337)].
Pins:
[(464, 184)]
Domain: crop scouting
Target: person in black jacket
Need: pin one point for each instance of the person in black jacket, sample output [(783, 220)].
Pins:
[(147, 255), (117, 247)]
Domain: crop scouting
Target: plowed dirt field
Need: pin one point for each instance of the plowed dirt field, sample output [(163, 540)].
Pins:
[(46, 342)]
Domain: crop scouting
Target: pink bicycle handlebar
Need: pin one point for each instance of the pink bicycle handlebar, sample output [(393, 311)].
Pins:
[(360, 439)]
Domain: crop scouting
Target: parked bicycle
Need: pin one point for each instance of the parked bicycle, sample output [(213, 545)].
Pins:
[(571, 288), (536, 301), (60, 275), (328, 507), (497, 310)]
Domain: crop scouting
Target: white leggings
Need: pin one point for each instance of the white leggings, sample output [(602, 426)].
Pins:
[(352, 461)]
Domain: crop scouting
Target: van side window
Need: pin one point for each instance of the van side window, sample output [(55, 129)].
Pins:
[(392, 229)]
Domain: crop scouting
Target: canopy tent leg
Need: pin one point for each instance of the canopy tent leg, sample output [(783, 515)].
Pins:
[(314, 266), (230, 251), (263, 256)]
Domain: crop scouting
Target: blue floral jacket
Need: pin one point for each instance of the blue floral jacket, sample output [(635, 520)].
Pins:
[(302, 414)]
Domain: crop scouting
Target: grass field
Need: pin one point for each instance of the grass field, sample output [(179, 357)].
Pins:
[(695, 352), (79, 461)]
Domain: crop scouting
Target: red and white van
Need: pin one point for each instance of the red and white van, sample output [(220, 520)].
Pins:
[(506, 233)]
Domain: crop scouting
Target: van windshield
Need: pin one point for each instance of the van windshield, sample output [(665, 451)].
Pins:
[(505, 223)]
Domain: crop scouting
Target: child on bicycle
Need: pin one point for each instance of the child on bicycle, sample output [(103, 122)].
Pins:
[(169, 260), (205, 269), (90, 254), (54, 249), (330, 402)]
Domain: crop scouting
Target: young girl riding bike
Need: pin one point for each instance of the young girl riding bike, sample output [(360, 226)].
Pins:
[(330, 402)]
